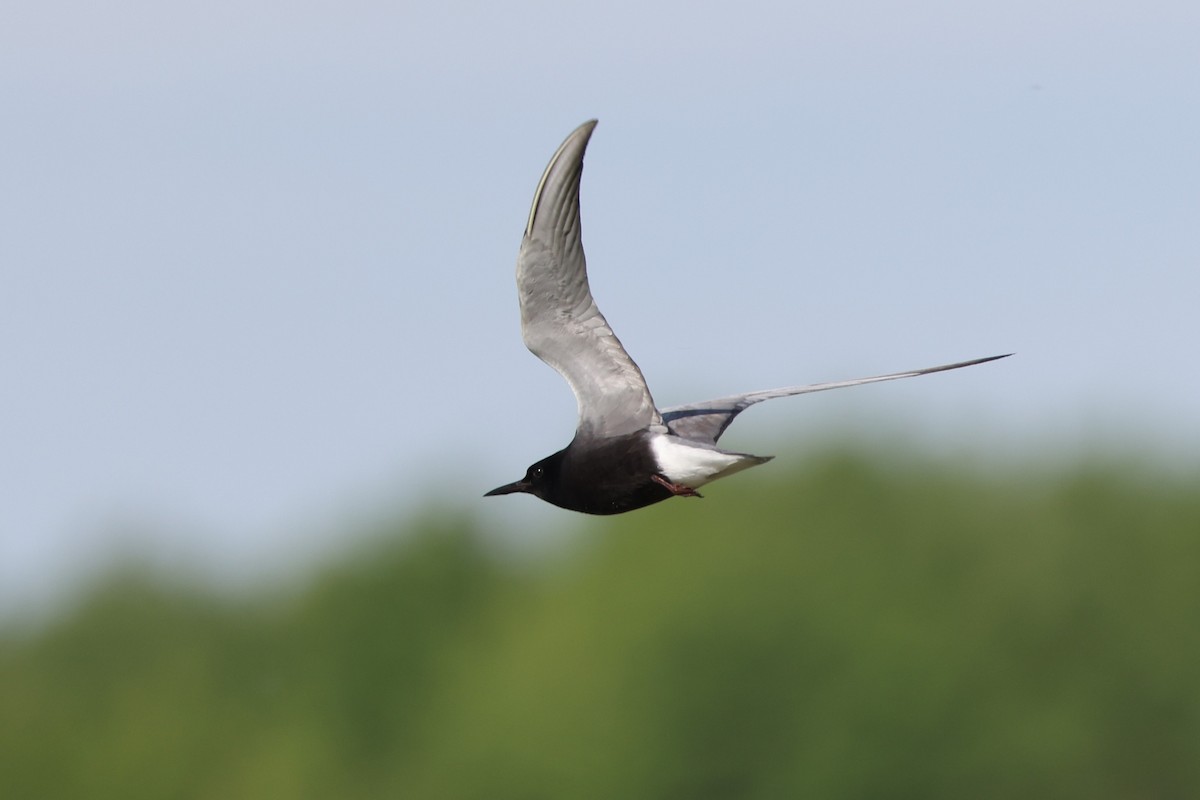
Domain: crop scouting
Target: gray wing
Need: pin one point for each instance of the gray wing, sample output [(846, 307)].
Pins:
[(560, 322), (705, 422)]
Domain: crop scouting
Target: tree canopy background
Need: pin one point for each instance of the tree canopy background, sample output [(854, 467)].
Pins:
[(860, 626)]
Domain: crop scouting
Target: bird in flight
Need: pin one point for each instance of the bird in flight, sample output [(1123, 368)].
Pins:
[(627, 453)]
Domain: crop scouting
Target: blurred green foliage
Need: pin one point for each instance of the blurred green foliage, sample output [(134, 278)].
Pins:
[(851, 629)]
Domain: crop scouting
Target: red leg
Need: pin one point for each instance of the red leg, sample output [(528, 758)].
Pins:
[(675, 488)]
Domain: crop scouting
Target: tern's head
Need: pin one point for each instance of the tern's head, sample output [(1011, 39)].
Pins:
[(539, 481)]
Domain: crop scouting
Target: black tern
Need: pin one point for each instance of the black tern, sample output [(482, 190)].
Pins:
[(626, 453)]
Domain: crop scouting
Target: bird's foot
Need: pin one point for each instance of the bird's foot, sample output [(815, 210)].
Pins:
[(674, 488)]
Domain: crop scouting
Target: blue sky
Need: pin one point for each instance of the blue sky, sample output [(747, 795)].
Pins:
[(256, 258)]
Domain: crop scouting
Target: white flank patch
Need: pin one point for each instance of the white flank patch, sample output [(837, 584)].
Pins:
[(693, 466)]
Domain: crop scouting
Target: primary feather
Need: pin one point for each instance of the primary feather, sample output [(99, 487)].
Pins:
[(560, 322), (706, 421)]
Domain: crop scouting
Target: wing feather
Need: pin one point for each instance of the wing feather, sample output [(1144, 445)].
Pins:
[(705, 422), (560, 322)]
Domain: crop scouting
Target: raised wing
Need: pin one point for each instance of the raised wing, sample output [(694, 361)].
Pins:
[(705, 422), (560, 322)]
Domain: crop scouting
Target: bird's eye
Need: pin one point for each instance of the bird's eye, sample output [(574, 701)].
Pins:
[(537, 472)]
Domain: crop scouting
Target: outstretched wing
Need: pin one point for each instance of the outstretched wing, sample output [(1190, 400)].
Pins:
[(560, 322), (705, 422)]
